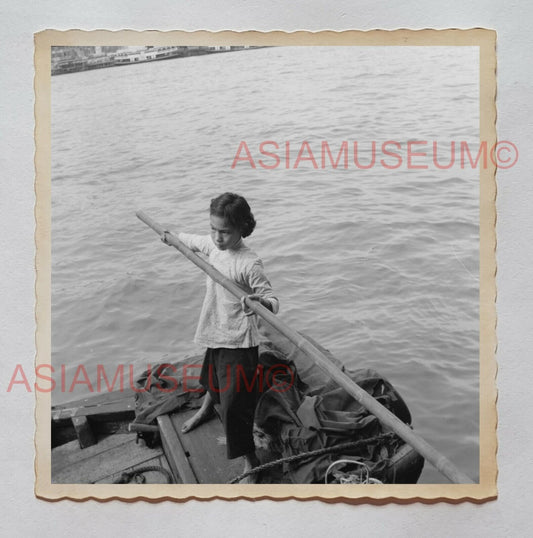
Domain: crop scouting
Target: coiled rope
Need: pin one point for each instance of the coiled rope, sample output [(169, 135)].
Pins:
[(351, 478), (136, 474), (312, 453)]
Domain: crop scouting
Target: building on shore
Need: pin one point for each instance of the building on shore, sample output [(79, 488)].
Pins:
[(74, 59)]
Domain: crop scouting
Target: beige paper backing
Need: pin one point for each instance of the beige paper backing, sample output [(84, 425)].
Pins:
[(376, 494)]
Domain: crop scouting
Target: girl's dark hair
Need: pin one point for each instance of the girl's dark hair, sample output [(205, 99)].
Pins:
[(234, 209)]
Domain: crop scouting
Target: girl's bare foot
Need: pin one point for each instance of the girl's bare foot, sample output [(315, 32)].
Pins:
[(200, 416)]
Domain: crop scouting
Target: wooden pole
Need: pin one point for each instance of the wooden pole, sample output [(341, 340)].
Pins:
[(440, 462)]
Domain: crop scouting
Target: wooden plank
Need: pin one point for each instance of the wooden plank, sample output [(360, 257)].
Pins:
[(206, 449), (176, 455), (103, 463), (63, 431), (99, 398), (163, 462), (122, 406), (70, 453), (83, 432)]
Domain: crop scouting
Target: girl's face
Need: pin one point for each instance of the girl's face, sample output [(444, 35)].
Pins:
[(223, 234)]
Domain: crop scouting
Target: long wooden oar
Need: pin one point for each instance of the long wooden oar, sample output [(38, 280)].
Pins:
[(441, 463)]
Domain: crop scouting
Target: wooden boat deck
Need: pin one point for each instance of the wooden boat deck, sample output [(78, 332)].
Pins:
[(199, 456), (99, 424), (104, 462)]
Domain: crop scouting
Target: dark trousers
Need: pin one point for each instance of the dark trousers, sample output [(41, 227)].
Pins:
[(230, 377)]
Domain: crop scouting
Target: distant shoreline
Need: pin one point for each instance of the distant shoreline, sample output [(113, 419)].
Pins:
[(75, 59)]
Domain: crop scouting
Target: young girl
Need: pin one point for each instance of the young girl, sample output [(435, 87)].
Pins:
[(225, 327)]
